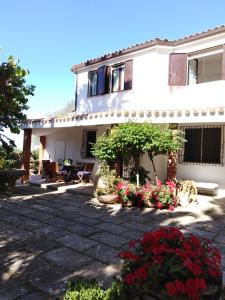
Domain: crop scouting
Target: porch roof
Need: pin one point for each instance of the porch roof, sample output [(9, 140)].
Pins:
[(181, 116)]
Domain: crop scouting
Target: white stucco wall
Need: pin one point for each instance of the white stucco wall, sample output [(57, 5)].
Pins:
[(150, 83), (160, 164)]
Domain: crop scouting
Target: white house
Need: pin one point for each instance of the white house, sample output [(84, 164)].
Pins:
[(175, 82)]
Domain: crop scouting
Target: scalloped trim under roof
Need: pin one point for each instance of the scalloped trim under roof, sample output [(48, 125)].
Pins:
[(148, 44)]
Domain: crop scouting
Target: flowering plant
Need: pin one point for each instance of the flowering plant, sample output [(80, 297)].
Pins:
[(127, 193), (159, 195), (181, 267)]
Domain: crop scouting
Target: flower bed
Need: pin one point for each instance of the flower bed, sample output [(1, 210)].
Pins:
[(173, 266), (149, 195)]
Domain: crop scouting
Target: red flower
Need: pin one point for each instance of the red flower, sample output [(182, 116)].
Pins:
[(130, 279), (171, 289), (165, 259), (171, 208)]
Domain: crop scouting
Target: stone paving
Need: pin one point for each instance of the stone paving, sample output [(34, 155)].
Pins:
[(48, 238)]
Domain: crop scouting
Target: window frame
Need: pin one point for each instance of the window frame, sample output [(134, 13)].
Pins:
[(181, 153), (202, 56), (113, 68), (90, 84)]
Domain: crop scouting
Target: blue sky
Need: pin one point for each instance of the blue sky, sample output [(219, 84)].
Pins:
[(49, 36)]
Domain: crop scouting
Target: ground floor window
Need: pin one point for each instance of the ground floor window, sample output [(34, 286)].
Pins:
[(204, 145), (89, 139)]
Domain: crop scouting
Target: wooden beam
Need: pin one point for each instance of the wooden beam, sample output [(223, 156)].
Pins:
[(172, 159), (42, 147), (26, 153)]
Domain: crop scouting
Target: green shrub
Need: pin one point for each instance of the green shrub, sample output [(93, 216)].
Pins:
[(85, 290), (90, 290)]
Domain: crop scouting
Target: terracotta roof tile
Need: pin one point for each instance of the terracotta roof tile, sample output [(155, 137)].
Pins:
[(148, 44)]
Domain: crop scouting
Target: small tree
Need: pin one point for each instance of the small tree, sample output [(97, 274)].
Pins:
[(14, 95), (132, 140)]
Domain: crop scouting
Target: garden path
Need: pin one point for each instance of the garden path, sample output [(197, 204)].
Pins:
[(50, 237)]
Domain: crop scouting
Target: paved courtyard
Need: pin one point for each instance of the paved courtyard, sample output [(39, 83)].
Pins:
[(48, 238)]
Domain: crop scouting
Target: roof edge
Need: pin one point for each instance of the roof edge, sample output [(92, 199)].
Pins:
[(149, 44)]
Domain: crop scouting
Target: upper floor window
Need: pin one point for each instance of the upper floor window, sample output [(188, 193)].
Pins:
[(203, 145), (108, 79), (118, 78), (92, 88), (205, 69), (185, 70)]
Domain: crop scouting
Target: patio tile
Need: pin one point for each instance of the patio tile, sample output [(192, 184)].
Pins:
[(49, 279), (104, 272), (51, 231), (76, 242), (33, 296), (67, 259), (113, 228), (41, 216), (132, 235), (60, 222), (31, 224), (110, 239), (86, 220), (12, 234), (12, 289), (103, 253), (37, 243), (83, 229)]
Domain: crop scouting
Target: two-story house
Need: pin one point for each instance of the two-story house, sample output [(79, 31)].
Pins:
[(178, 82)]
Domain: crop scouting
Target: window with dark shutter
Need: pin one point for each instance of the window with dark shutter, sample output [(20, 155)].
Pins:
[(108, 79), (128, 80), (122, 76), (92, 83), (178, 69), (203, 145), (101, 80)]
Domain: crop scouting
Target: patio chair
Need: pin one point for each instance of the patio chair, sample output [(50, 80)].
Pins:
[(46, 169), (50, 170), (85, 175)]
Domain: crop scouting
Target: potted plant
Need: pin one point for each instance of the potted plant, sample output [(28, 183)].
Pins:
[(128, 194), (106, 184), (166, 264)]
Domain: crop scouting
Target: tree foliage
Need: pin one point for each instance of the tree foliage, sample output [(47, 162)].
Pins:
[(14, 95), (68, 108), (132, 140)]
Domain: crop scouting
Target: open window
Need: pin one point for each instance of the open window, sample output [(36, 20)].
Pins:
[(205, 69), (108, 79), (89, 139)]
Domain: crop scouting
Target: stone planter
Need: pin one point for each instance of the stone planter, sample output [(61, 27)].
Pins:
[(106, 199)]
